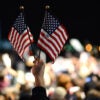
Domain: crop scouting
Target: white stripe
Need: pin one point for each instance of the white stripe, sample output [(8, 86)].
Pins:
[(13, 36), (47, 49), (29, 33), (19, 40), (54, 42), (23, 49), (57, 38), (60, 35), (48, 43), (10, 35), (14, 44), (64, 32), (23, 40)]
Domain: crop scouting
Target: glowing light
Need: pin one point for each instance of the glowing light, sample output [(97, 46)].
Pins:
[(76, 45), (29, 61), (6, 60), (88, 47), (99, 48), (74, 89)]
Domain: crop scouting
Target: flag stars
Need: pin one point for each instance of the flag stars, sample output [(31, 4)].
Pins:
[(20, 23), (50, 23), (50, 40), (19, 37)]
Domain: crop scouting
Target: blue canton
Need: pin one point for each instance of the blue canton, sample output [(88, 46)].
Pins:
[(50, 24), (19, 24)]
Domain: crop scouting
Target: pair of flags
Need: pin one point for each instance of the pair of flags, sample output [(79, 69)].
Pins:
[(52, 38)]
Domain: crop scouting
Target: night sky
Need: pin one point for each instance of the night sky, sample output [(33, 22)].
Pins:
[(79, 17)]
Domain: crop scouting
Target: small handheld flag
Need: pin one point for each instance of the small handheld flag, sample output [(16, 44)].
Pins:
[(20, 35), (53, 36)]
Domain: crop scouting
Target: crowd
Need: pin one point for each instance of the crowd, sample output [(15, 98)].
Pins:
[(69, 78)]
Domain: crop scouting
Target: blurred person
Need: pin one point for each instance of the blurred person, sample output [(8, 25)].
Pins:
[(93, 94), (49, 76), (25, 92), (39, 91), (58, 94), (12, 95), (74, 93), (7, 76), (64, 80), (91, 82), (4, 82), (2, 96), (83, 65), (92, 90)]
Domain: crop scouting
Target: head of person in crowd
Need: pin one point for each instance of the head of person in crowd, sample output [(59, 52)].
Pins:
[(58, 94)]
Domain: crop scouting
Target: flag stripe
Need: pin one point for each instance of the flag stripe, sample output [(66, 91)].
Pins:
[(20, 35), (58, 33), (52, 41), (16, 37), (23, 42), (20, 43), (64, 32), (23, 39), (46, 49), (49, 45), (52, 36), (25, 46)]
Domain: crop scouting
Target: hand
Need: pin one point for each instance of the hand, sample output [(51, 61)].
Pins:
[(38, 72)]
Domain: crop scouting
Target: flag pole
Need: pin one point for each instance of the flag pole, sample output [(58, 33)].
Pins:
[(22, 9), (46, 8)]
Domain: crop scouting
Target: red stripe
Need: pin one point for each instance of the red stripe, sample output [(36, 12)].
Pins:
[(16, 41), (55, 40), (39, 45), (47, 46), (23, 43), (62, 34), (50, 42), (11, 36), (25, 48), (20, 41), (57, 34), (65, 31)]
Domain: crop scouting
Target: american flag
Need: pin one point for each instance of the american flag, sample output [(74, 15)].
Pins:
[(20, 35), (53, 36)]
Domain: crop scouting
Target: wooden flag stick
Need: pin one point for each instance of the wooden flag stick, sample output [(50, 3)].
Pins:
[(47, 7), (21, 7)]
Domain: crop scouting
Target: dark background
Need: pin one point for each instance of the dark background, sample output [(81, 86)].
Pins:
[(81, 18)]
